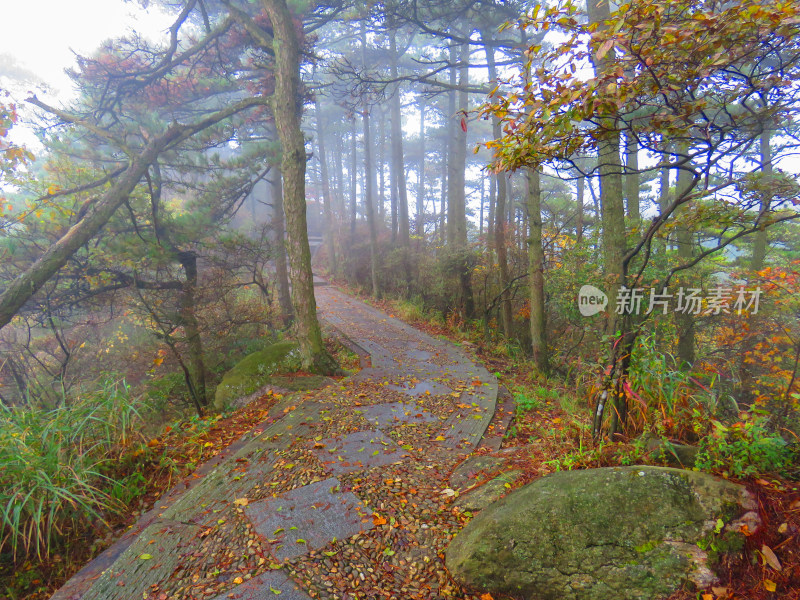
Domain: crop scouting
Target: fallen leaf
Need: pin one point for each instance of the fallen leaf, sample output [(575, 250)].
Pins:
[(720, 592), (146, 556), (770, 585), (239, 580), (448, 492), (378, 520), (783, 528), (241, 502), (708, 597), (486, 597), (770, 558)]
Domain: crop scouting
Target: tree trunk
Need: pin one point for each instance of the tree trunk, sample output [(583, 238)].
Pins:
[(760, 243), (369, 194), (500, 210), (684, 320), (194, 342), (397, 147), (457, 219), (281, 270), (382, 171), (286, 108), (420, 217), (581, 191), (353, 179), (536, 273), (613, 219), (326, 189), (632, 176)]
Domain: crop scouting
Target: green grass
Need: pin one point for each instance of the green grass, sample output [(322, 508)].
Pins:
[(51, 466)]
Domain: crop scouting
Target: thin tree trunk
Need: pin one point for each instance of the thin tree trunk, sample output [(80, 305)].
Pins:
[(353, 178), (370, 209), (286, 47), (536, 273), (281, 269), (613, 218), (760, 243), (397, 147), (581, 190), (632, 176), (382, 171), (326, 189), (191, 327), (483, 203), (499, 214), (369, 187), (684, 320), (457, 219), (420, 217)]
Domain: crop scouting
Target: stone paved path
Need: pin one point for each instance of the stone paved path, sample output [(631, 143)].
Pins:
[(341, 493)]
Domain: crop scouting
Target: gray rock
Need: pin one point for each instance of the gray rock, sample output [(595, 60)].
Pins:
[(488, 493), (625, 532), (676, 455), (475, 468)]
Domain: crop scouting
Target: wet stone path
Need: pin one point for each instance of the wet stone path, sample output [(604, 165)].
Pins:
[(342, 493)]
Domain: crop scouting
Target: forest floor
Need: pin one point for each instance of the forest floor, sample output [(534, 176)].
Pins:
[(349, 492)]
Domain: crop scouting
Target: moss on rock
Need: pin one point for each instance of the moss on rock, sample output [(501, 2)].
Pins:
[(628, 532), (255, 371)]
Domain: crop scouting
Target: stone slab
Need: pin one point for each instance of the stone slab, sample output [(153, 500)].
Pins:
[(357, 451), (315, 514), (388, 415), (434, 388), (264, 586)]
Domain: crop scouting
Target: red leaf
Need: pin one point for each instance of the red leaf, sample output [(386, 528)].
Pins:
[(464, 124)]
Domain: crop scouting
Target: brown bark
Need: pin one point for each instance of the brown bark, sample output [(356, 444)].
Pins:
[(684, 321), (499, 211), (536, 273), (581, 192), (632, 176), (285, 107), (191, 328), (279, 227)]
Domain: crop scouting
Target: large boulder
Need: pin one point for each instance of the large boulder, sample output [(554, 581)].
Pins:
[(254, 372), (634, 533)]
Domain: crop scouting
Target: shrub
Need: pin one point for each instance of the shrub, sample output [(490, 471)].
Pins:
[(745, 448), (51, 466)]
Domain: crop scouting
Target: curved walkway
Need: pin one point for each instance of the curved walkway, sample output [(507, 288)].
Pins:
[(342, 493)]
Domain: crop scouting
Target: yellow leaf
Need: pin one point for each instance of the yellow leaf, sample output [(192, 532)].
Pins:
[(146, 556), (770, 585), (438, 438), (708, 597), (238, 580), (208, 444), (240, 502)]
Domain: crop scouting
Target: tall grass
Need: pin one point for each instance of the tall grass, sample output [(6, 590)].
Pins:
[(51, 463)]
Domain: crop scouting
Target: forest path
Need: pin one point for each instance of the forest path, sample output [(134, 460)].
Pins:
[(341, 493)]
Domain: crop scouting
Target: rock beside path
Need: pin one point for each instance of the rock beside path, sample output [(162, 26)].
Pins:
[(637, 533)]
